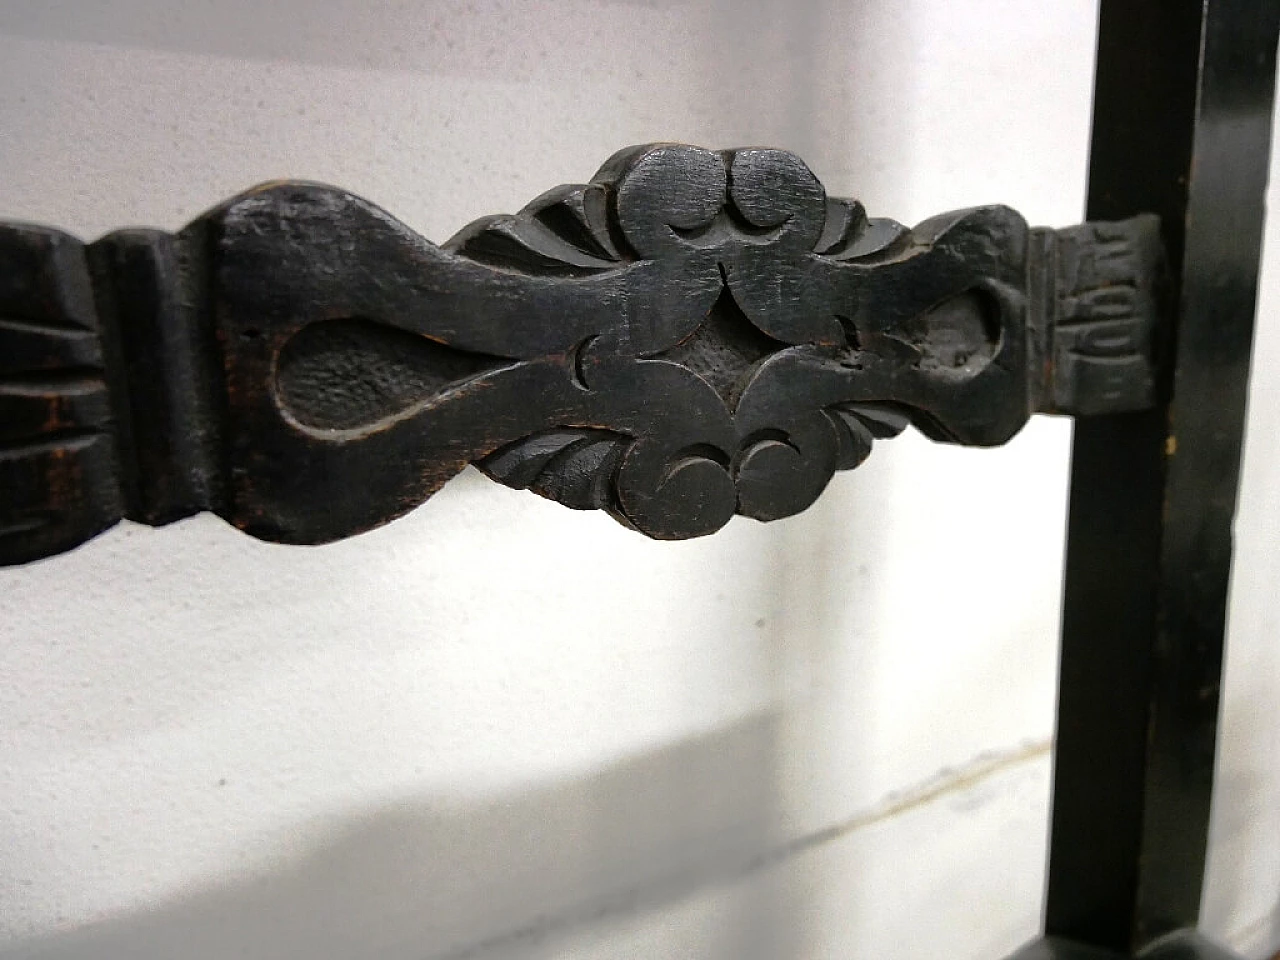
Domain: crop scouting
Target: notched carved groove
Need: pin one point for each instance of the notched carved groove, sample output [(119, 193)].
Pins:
[(690, 335), (58, 470), (65, 381), (55, 442), (1111, 279)]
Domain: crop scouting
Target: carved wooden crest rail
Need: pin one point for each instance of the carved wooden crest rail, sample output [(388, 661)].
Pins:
[(690, 335)]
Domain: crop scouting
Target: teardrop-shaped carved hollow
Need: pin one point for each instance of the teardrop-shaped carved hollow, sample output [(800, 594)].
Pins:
[(350, 372)]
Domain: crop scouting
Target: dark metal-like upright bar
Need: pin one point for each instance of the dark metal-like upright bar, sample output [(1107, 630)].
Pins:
[(1182, 128)]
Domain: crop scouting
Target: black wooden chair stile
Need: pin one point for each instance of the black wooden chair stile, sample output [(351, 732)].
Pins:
[(694, 334)]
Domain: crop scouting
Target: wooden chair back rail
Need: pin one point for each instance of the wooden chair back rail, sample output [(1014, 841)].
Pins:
[(690, 335)]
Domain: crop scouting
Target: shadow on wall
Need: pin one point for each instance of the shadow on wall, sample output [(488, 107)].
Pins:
[(521, 875)]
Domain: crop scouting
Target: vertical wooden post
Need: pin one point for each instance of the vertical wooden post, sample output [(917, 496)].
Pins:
[(1181, 128)]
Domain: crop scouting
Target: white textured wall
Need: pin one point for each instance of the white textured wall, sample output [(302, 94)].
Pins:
[(500, 729), (1242, 896)]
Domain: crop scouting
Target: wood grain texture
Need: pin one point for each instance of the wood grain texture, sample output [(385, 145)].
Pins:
[(690, 335)]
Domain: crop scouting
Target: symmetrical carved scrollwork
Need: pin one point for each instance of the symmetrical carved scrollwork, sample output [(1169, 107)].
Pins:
[(692, 334)]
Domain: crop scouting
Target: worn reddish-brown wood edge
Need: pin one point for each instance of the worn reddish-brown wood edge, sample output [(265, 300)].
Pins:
[(690, 335)]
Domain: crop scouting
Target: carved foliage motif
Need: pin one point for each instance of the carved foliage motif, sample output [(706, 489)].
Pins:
[(692, 334)]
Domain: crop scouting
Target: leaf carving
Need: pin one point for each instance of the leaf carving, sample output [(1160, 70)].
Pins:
[(574, 466), (564, 232)]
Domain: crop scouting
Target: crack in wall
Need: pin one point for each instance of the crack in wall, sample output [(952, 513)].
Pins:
[(676, 887)]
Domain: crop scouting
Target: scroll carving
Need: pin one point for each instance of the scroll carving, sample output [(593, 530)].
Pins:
[(692, 334)]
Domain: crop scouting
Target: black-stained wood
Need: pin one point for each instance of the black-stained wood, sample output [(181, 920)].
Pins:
[(1183, 104), (692, 334)]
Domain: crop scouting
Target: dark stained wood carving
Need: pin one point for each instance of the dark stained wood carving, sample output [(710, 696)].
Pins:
[(692, 334)]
